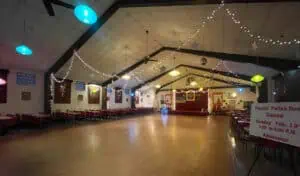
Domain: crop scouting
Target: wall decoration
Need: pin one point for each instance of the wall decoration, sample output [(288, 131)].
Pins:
[(137, 99), (25, 79), (62, 92), (180, 97), (118, 95), (109, 90), (26, 96), (217, 100), (127, 91), (80, 86), (168, 100), (3, 87), (94, 94), (190, 96), (79, 97)]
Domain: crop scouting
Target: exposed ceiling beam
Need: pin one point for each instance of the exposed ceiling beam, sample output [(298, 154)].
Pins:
[(275, 63), (159, 3), (217, 87), (227, 74), (202, 76), (132, 67), (63, 4)]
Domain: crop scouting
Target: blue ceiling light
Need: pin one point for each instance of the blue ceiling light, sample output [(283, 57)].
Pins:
[(240, 90), (85, 14), (23, 50)]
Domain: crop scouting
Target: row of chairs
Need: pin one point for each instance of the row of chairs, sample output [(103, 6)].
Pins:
[(40, 119), (272, 150)]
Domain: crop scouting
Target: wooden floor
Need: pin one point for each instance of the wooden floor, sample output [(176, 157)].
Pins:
[(144, 146)]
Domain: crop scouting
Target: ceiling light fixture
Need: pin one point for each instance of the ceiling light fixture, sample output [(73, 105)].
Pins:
[(194, 83), (298, 66), (201, 89), (257, 78), (158, 86), (23, 50), (126, 77), (85, 14), (174, 73), (233, 95), (2, 82)]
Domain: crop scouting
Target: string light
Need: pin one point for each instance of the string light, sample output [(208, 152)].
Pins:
[(258, 37)]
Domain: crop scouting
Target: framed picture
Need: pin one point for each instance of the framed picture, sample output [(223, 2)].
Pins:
[(93, 94), (180, 97), (190, 96), (80, 98), (26, 96), (118, 95)]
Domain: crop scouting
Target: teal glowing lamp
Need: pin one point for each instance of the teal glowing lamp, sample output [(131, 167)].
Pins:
[(85, 14), (23, 50), (257, 78)]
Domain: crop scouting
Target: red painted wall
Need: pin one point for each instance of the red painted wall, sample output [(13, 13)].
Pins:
[(201, 102)]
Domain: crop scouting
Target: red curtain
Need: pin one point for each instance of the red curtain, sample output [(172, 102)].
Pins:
[(3, 88)]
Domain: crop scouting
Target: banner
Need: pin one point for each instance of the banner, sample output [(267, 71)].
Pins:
[(276, 121)]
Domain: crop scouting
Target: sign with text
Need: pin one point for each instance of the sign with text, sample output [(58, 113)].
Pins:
[(276, 121)]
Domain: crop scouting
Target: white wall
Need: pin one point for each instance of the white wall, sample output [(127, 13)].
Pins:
[(148, 98), (78, 105), (15, 104), (111, 103), (245, 95)]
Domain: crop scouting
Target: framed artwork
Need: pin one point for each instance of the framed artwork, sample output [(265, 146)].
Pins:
[(180, 97), (217, 100), (62, 92), (118, 95), (80, 98), (190, 96), (137, 98), (168, 99), (94, 94), (26, 96)]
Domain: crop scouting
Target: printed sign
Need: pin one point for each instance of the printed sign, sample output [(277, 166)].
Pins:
[(80, 86), (276, 121), (25, 79)]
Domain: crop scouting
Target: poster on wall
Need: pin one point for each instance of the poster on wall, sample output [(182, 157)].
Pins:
[(217, 101), (25, 79), (94, 94), (190, 96), (80, 86), (26, 96), (118, 95), (279, 122), (62, 92), (80, 98), (180, 97)]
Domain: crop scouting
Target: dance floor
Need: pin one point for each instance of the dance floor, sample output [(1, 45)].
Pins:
[(142, 146)]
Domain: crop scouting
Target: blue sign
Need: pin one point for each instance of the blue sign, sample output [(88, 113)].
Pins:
[(26, 79), (80, 86)]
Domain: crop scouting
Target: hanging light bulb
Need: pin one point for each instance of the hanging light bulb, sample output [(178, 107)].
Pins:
[(174, 73), (85, 14), (174, 90), (257, 78), (23, 50), (201, 89), (2, 82), (126, 77), (158, 86)]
